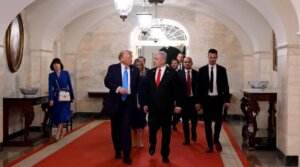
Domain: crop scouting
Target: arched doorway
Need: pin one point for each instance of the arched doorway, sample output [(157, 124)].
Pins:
[(174, 35)]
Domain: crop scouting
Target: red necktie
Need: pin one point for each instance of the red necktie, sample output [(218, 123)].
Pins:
[(158, 77), (188, 83)]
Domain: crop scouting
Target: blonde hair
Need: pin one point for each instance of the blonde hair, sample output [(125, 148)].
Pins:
[(143, 72)]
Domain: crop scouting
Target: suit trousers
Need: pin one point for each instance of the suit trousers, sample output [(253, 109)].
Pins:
[(189, 113), (155, 121), (176, 118), (120, 128), (212, 111)]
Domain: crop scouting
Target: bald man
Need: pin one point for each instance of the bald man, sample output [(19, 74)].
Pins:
[(188, 79)]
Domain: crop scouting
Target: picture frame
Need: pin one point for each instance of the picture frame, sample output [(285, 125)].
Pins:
[(274, 47), (15, 43)]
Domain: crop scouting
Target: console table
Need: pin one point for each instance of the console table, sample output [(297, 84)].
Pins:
[(103, 95), (250, 109), (25, 104)]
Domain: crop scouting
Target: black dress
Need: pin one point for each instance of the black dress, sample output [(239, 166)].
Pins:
[(139, 116)]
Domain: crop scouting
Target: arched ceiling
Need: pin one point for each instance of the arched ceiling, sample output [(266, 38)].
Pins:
[(82, 24), (296, 5), (255, 17), (9, 9), (282, 17)]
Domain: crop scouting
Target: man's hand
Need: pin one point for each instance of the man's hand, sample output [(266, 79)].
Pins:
[(177, 110), (146, 109), (51, 103), (227, 105), (198, 107), (122, 90)]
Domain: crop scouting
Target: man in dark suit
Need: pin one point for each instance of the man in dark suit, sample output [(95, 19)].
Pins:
[(213, 94), (176, 117), (188, 78), (122, 81), (180, 58), (161, 91)]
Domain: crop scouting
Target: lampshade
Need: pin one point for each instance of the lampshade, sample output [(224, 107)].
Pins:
[(145, 21), (144, 17), (123, 7), (156, 32)]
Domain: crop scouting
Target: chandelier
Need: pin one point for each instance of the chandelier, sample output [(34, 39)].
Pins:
[(155, 29), (144, 17), (123, 7), (145, 20)]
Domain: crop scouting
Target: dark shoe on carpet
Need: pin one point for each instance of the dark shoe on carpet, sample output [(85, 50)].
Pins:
[(127, 160), (185, 143), (151, 149), (194, 136), (218, 146), (166, 160), (175, 128), (209, 149), (118, 155)]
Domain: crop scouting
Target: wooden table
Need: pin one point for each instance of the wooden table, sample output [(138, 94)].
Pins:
[(25, 104), (250, 109), (103, 95)]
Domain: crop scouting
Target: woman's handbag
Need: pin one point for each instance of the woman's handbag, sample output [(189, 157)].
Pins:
[(63, 94)]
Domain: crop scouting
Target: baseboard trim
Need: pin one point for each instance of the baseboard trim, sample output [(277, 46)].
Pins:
[(101, 115), (230, 117), (20, 132), (288, 160)]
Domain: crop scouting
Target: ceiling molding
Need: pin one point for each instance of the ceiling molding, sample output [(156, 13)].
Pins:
[(42, 50), (286, 46)]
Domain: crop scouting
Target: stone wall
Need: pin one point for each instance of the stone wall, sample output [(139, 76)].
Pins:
[(100, 47)]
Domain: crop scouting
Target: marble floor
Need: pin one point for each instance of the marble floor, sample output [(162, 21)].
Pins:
[(258, 158)]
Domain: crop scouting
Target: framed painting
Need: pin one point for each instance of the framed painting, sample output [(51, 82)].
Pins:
[(15, 43), (274, 46)]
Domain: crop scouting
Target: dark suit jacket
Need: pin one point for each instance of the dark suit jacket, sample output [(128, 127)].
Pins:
[(183, 84), (160, 100), (113, 80), (222, 83)]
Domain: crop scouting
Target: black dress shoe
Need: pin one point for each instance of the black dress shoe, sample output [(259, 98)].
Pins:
[(186, 143), (194, 136), (151, 149), (166, 160), (209, 149), (218, 146), (118, 155), (175, 128), (127, 160)]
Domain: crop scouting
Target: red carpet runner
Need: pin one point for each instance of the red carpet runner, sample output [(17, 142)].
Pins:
[(95, 148)]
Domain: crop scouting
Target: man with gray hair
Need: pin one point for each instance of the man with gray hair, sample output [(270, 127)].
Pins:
[(161, 90)]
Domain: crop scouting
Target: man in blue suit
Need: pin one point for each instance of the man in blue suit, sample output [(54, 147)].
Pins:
[(122, 81)]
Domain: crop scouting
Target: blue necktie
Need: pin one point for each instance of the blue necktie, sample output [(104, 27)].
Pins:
[(125, 83)]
